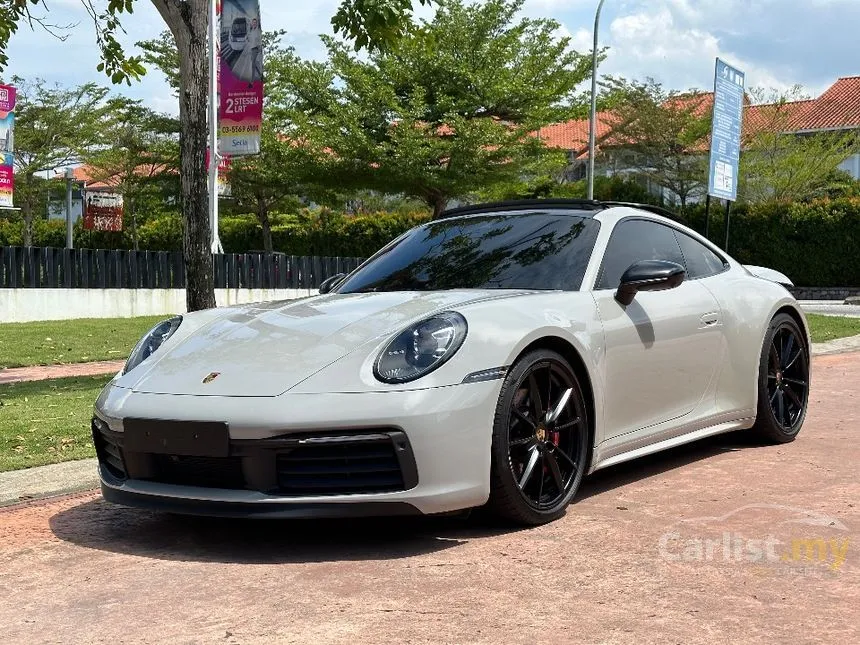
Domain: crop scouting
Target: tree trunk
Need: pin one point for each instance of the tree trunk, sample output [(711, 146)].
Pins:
[(27, 213), (133, 224), (265, 224), (188, 21), (437, 203)]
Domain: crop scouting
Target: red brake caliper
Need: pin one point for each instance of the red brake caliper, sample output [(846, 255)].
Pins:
[(554, 437)]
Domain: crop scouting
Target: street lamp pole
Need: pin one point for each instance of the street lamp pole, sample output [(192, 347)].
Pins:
[(592, 126), (213, 126)]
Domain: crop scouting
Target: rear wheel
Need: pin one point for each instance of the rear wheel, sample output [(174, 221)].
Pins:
[(540, 440), (783, 385)]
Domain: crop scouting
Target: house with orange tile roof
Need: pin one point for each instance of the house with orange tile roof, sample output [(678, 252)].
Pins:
[(837, 109)]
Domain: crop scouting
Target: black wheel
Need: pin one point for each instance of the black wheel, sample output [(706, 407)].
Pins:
[(540, 440), (783, 384)]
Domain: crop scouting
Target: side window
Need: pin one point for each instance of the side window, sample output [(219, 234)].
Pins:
[(633, 241), (701, 261)]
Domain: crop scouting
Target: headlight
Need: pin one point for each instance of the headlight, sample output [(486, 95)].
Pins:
[(152, 340), (421, 349)]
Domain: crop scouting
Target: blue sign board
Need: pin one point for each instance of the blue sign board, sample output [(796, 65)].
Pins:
[(726, 132)]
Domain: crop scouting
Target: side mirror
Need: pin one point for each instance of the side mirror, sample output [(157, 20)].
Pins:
[(648, 275), (329, 283)]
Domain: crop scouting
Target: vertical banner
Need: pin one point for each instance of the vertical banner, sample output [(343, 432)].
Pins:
[(241, 77), (224, 163), (8, 96), (103, 212), (726, 131)]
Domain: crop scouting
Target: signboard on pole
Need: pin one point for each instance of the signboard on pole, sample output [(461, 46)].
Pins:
[(241, 77), (103, 212), (8, 96), (726, 131)]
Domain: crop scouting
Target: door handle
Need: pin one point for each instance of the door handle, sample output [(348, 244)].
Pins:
[(709, 320)]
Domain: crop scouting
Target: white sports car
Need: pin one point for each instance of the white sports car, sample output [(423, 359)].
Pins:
[(493, 356)]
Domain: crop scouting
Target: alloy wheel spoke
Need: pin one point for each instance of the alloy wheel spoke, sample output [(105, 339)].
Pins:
[(786, 351), (569, 424), (774, 356), (793, 360), (522, 417), (534, 393), (530, 467), (559, 408), (542, 476), (780, 402), (525, 441), (773, 396), (555, 471), (794, 398), (794, 381), (567, 458)]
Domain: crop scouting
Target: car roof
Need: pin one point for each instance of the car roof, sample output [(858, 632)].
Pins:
[(584, 207)]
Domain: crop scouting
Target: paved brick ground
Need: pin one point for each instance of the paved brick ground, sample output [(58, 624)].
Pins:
[(44, 372), (648, 553)]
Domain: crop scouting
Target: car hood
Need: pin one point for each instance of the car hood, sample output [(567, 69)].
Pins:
[(268, 348)]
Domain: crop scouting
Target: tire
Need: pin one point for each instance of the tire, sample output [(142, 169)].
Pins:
[(540, 450), (783, 381)]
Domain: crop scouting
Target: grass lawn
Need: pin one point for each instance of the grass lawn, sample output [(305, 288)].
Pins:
[(70, 341), (824, 328), (43, 422)]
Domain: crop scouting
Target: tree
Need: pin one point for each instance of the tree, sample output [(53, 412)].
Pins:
[(370, 23), (142, 151), (662, 134), (284, 170), (446, 110), (778, 164), (55, 127)]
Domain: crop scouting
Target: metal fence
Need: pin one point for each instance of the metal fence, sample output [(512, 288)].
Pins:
[(38, 267)]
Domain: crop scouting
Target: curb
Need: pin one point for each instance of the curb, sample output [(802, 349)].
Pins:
[(45, 372), (35, 483), (838, 346)]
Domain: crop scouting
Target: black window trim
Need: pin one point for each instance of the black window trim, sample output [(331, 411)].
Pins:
[(675, 231)]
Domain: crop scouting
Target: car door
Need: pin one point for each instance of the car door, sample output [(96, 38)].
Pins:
[(663, 348)]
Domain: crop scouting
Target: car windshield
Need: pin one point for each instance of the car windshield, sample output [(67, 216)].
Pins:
[(521, 250)]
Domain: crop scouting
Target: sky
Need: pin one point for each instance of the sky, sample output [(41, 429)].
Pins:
[(777, 43)]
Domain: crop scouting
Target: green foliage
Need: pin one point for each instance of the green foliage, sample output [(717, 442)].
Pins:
[(662, 134), (54, 127), (613, 189), (374, 24), (306, 232), (141, 161), (816, 244), (447, 110), (778, 165), (115, 63), (45, 422)]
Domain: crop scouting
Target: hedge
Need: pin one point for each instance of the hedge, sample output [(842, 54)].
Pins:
[(816, 244)]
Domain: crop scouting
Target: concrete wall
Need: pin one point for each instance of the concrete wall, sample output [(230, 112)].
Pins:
[(24, 305)]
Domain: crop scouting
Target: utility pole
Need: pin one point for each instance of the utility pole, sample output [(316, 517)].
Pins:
[(592, 126), (214, 55)]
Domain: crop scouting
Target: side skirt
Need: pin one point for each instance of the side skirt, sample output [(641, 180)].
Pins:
[(679, 440)]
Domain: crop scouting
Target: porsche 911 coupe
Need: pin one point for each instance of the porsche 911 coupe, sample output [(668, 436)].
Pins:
[(493, 356)]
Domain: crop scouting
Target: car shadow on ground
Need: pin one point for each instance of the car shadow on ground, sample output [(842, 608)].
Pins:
[(640, 469), (99, 525)]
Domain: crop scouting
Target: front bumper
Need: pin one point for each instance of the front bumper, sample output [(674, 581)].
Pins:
[(439, 440)]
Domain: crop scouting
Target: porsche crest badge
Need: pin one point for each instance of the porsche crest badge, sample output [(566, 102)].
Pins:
[(211, 377)]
